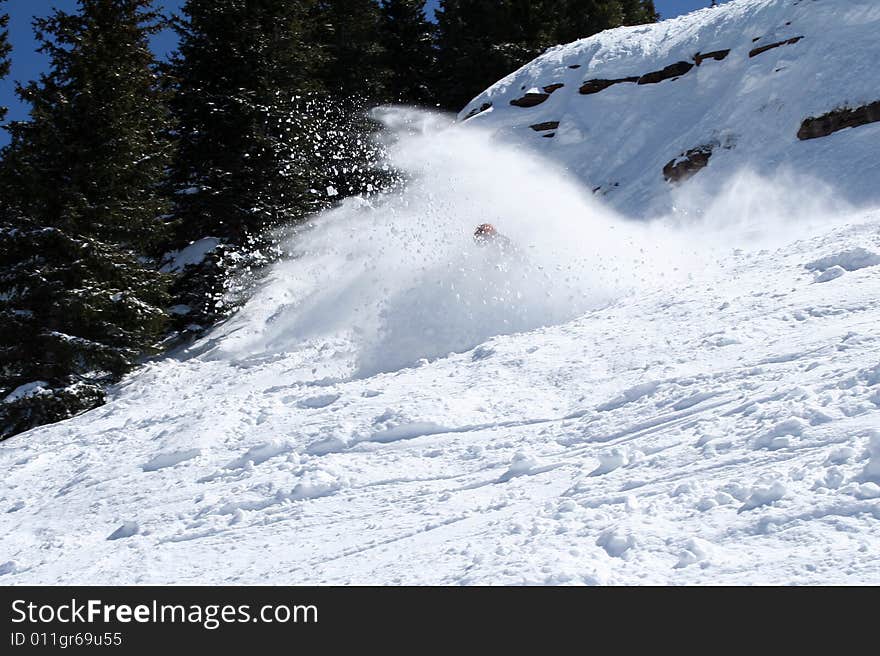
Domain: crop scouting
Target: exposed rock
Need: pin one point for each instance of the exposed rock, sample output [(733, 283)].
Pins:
[(535, 98), (602, 191), (595, 86), (530, 100), (478, 110), (717, 55), (839, 119), (541, 127), (770, 46), (574, 66), (673, 70), (549, 135), (687, 164)]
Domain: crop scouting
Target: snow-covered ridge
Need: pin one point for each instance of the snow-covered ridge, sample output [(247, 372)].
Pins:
[(727, 88)]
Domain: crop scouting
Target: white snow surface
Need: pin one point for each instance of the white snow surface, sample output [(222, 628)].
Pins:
[(27, 390), (610, 401), (192, 254)]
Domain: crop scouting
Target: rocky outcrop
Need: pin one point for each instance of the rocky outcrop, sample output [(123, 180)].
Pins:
[(717, 55), (595, 86), (536, 98), (770, 46), (530, 100), (478, 110), (543, 127), (839, 119), (673, 70), (687, 164)]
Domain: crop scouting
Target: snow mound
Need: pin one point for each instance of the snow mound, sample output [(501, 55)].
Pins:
[(193, 254), (164, 460), (872, 468), (850, 260), (831, 273), (27, 390), (125, 530)]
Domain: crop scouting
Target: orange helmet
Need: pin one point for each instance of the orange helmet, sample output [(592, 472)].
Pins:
[(485, 230)]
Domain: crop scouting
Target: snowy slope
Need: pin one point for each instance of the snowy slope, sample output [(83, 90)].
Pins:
[(694, 399), (748, 108), (738, 440)]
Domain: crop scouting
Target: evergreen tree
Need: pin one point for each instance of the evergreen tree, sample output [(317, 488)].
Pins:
[(468, 61), (356, 75), (481, 42), (354, 65), (5, 49), (579, 19), (637, 12), (407, 41), (81, 299), (239, 78)]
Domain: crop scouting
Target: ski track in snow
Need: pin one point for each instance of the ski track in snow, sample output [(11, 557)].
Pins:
[(703, 434)]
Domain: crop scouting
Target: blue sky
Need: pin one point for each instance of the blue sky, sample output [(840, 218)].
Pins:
[(27, 64)]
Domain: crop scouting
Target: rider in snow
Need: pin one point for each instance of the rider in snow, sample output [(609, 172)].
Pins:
[(487, 235)]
